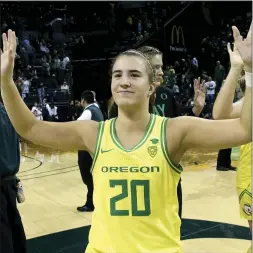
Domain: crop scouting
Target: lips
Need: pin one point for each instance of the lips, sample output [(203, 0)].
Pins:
[(125, 91)]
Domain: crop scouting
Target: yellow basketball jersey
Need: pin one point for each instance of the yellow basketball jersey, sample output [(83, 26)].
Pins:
[(135, 193), (244, 169)]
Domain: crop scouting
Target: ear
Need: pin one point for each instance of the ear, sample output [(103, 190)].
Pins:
[(152, 88)]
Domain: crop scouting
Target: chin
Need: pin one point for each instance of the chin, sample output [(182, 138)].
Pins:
[(126, 103)]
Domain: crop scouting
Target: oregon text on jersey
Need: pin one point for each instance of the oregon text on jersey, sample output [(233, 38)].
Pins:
[(134, 169)]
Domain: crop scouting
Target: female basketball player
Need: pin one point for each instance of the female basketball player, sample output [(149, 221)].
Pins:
[(224, 108), (164, 101), (136, 156)]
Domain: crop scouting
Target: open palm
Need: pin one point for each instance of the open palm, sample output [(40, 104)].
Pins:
[(8, 55), (199, 93), (243, 46), (235, 57)]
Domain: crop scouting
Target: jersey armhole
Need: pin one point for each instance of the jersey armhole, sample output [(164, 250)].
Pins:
[(98, 143), (177, 168)]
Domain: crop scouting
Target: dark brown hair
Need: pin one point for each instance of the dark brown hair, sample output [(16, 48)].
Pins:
[(150, 70)]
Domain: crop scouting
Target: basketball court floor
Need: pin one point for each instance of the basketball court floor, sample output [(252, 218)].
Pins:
[(53, 189)]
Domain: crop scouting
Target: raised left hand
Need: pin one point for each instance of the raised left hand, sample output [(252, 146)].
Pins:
[(8, 55), (244, 47), (199, 94)]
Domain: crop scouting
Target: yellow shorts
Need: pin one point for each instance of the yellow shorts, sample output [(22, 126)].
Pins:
[(245, 200)]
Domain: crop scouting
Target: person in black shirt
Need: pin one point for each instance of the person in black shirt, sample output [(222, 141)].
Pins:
[(165, 103), (12, 234), (91, 112)]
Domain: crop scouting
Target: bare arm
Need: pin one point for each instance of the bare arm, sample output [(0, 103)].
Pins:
[(78, 135), (223, 107), (216, 134), (185, 133)]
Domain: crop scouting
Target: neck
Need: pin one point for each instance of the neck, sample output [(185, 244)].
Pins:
[(86, 105), (130, 120)]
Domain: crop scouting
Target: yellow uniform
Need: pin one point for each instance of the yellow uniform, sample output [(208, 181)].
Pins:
[(135, 194), (244, 181)]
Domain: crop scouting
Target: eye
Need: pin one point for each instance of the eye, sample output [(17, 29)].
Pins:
[(134, 75), (158, 67), (116, 75)]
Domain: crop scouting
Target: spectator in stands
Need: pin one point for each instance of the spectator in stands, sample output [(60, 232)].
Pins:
[(65, 61), (37, 111), (219, 75), (43, 48), (53, 114), (24, 57), (19, 84), (139, 27), (40, 90), (210, 94), (65, 87), (25, 88), (30, 51), (45, 110)]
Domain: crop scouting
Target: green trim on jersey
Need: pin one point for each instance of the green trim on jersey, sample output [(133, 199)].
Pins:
[(177, 168), (148, 131), (98, 143), (243, 192)]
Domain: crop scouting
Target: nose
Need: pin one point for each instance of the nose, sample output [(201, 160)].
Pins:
[(160, 72), (125, 82)]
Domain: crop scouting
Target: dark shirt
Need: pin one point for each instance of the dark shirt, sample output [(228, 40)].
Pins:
[(9, 147), (165, 103)]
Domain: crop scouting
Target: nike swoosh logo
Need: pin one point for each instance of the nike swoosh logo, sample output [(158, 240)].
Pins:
[(105, 151)]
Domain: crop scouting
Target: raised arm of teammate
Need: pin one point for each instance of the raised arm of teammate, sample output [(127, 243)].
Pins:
[(224, 108), (215, 134), (65, 136)]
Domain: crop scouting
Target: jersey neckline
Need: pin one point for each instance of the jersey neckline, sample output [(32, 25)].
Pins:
[(147, 133)]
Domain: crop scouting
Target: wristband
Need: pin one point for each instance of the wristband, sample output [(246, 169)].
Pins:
[(248, 77)]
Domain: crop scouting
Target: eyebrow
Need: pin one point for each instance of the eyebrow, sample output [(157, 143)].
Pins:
[(131, 71)]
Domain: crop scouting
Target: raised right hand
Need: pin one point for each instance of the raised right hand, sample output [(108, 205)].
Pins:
[(8, 55), (235, 58)]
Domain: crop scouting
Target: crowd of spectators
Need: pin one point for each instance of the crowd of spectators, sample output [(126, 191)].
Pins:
[(212, 64), (49, 36)]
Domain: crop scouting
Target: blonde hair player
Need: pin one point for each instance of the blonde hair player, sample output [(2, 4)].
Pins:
[(224, 108), (136, 155)]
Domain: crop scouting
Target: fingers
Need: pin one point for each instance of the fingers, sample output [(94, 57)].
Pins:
[(203, 86), (196, 94), (9, 42), (236, 34), (195, 84), (249, 32), (4, 42), (13, 42), (235, 48)]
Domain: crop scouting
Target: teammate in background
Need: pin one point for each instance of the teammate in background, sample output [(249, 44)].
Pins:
[(165, 103), (129, 214), (224, 108), (91, 112), (12, 234)]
